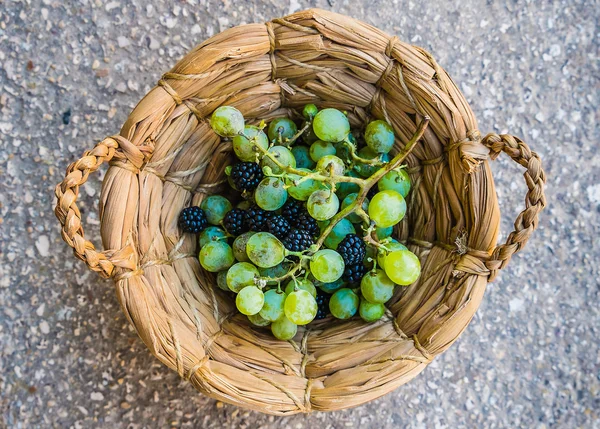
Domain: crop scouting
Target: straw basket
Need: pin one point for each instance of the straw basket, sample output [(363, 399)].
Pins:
[(166, 157)]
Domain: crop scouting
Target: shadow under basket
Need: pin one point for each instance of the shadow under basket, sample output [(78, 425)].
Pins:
[(167, 157)]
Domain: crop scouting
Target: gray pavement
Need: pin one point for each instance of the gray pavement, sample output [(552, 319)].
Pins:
[(71, 71)]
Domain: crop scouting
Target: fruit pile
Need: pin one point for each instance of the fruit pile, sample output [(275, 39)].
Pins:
[(311, 232)]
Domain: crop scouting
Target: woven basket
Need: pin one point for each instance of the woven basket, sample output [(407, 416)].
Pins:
[(167, 157)]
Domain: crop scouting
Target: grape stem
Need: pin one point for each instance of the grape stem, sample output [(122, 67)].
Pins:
[(375, 161)]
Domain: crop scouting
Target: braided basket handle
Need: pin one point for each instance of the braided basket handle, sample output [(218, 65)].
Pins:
[(535, 200)]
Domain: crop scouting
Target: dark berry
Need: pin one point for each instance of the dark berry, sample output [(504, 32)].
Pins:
[(298, 240), (353, 249), (192, 219), (256, 219), (246, 175), (278, 226), (372, 192), (354, 273), (292, 209), (233, 222), (306, 223), (322, 305)]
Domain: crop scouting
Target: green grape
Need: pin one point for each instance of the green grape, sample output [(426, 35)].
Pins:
[(302, 155), (265, 250), (244, 205), (327, 265), (258, 320), (395, 180), (337, 234), (403, 267), (216, 256), (343, 189), (309, 136), (300, 307), (227, 121), (379, 136), (273, 307), (331, 125), (222, 280), (387, 208), (270, 194), (343, 151), (211, 233), (304, 189), (274, 272), (309, 111), (331, 287), (283, 329), (245, 149), (323, 204), (283, 155), (241, 275), (343, 303), (303, 284), (249, 300), (239, 246), (230, 181), (382, 233), (392, 247), (350, 199), (285, 126), (215, 207), (366, 170), (376, 287), (326, 162), (319, 149), (370, 312)]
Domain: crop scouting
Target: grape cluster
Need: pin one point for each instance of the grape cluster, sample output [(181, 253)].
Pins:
[(309, 233)]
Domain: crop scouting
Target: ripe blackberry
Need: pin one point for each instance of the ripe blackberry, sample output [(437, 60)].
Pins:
[(256, 219), (233, 222), (307, 223), (322, 305), (292, 209), (354, 273), (278, 226), (353, 249), (192, 219), (298, 240), (246, 175)]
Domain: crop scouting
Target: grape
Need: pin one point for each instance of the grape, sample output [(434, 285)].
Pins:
[(265, 250), (337, 234), (249, 300), (216, 256), (285, 126), (241, 275), (403, 267), (327, 265), (395, 180), (331, 287), (376, 287), (383, 232), (227, 121), (283, 155), (300, 307), (379, 136), (302, 155), (331, 125), (244, 205), (327, 161), (323, 204), (212, 233), (319, 149), (303, 284), (273, 307), (270, 194), (350, 199), (215, 207), (222, 280), (343, 303), (366, 170), (393, 246), (239, 246), (387, 208), (343, 151), (370, 312), (343, 189), (245, 149), (258, 320), (283, 329), (309, 136), (274, 272), (303, 190), (309, 111)]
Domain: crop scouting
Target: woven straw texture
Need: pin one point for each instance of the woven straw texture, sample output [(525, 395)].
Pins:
[(167, 157)]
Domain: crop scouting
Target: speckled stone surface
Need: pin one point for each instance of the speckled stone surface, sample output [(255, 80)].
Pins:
[(70, 72)]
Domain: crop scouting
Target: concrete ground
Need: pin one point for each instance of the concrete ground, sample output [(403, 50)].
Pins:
[(71, 71)]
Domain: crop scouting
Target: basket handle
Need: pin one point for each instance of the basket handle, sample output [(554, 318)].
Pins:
[(535, 200)]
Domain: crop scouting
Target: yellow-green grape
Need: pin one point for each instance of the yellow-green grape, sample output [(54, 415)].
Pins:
[(247, 148), (343, 189), (343, 304), (265, 250), (239, 246), (272, 309), (323, 204), (331, 125), (370, 312), (367, 170), (284, 126), (283, 329), (249, 300), (379, 136), (305, 188), (274, 272), (303, 284), (258, 320), (309, 111), (241, 275), (302, 155), (283, 155), (227, 121), (376, 287), (216, 256), (222, 280), (319, 149), (337, 234), (215, 207), (331, 162), (327, 265), (392, 247), (211, 233), (350, 199), (300, 307), (402, 267), (270, 194), (395, 180), (387, 208)]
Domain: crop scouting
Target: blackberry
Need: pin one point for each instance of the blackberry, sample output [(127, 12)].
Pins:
[(256, 219), (246, 175), (372, 192), (298, 240), (233, 222), (292, 209), (322, 305), (354, 273), (307, 223), (192, 219), (353, 249), (278, 226)]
